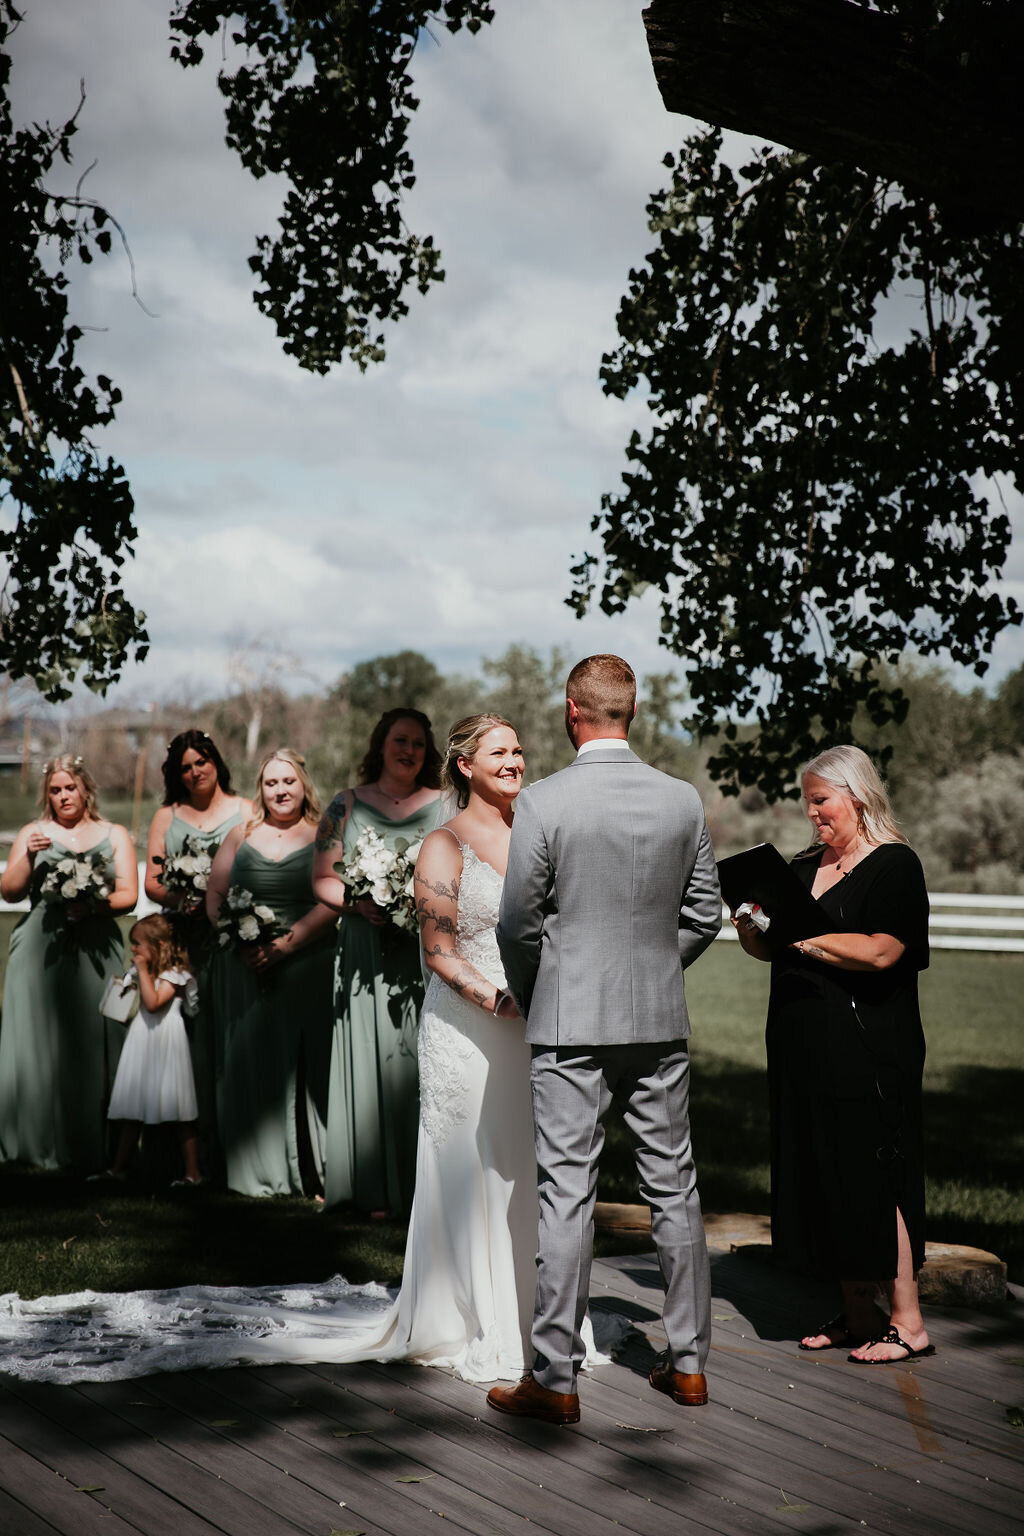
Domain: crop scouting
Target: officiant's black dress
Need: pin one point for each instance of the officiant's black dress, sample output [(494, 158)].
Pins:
[(845, 1059)]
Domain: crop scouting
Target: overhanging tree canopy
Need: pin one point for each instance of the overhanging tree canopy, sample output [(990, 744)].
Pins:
[(67, 510), (833, 368)]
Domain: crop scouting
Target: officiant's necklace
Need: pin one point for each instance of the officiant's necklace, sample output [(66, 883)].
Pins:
[(850, 858)]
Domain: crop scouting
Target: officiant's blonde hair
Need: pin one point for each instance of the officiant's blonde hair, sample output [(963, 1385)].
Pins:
[(603, 688), (464, 738), (852, 772)]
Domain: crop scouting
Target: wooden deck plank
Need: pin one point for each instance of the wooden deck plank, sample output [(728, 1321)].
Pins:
[(920, 1449), (54, 1498), (240, 1453), (298, 1438), (810, 1470), (151, 1485), (592, 1469), (605, 1429), (16, 1519), (374, 1397), (1000, 1466), (894, 1404)]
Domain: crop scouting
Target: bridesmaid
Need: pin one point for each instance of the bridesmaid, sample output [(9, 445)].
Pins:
[(57, 1052), (274, 1000), (373, 1106), (200, 803)]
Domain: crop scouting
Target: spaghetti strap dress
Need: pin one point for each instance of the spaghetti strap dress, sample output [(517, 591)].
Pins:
[(204, 1028), (276, 1030), (58, 1054), (373, 1101)]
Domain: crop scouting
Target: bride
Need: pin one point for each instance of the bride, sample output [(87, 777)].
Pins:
[(466, 1299)]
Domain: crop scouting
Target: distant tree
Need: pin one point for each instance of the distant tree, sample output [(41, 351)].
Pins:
[(530, 692), (384, 682), (970, 830), (655, 732), (1008, 712), (946, 729)]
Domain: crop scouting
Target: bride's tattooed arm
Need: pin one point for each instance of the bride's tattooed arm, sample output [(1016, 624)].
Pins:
[(438, 870)]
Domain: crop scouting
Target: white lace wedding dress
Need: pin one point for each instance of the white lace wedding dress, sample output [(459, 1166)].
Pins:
[(467, 1294)]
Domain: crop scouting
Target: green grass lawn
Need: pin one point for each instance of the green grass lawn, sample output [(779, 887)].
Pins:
[(62, 1235)]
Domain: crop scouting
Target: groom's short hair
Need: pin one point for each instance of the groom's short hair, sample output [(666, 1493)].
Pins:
[(603, 688)]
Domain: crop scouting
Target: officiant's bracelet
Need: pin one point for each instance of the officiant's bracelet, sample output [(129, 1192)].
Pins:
[(499, 998)]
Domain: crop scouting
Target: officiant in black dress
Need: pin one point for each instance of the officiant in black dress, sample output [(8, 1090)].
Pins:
[(845, 1061)]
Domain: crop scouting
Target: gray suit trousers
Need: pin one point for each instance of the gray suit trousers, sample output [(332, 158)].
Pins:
[(572, 1090)]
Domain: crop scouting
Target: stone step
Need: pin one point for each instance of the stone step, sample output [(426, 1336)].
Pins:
[(953, 1276)]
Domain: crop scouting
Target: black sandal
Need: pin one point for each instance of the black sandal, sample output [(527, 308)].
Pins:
[(891, 1336), (843, 1339)]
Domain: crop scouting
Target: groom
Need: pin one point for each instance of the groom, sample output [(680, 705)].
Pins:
[(611, 891)]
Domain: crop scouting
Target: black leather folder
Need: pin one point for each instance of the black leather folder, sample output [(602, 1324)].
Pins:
[(761, 875)]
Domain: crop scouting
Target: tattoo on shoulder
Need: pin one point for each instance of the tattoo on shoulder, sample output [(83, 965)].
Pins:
[(330, 832)]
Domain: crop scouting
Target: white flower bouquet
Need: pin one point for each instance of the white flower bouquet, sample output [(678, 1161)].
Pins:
[(77, 877), (243, 920), (384, 874), (186, 872)]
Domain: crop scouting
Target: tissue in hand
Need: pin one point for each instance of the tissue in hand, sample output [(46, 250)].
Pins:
[(757, 917)]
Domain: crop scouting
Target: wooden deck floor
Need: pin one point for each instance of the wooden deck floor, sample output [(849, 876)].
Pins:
[(789, 1442)]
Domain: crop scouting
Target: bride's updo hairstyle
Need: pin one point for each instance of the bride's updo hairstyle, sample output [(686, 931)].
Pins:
[(464, 738), (853, 774)]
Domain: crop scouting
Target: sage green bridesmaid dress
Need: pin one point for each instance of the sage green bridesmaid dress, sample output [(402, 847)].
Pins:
[(272, 1091), (373, 1104), (58, 1054), (203, 1028)]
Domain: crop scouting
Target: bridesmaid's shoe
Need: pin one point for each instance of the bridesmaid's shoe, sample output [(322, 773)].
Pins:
[(108, 1176), (187, 1183)]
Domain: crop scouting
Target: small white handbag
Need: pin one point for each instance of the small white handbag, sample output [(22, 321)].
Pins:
[(120, 1000)]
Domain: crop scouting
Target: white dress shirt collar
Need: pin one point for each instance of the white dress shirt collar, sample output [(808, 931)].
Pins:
[(602, 743)]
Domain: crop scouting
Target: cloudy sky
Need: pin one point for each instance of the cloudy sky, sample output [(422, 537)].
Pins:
[(436, 502)]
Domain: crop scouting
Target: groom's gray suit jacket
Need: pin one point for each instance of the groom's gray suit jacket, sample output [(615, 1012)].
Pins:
[(611, 891)]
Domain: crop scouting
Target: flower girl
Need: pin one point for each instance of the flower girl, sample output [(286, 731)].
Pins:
[(154, 1082)]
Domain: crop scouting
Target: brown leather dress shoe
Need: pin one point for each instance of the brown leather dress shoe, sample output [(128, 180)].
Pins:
[(532, 1401), (689, 1391)]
